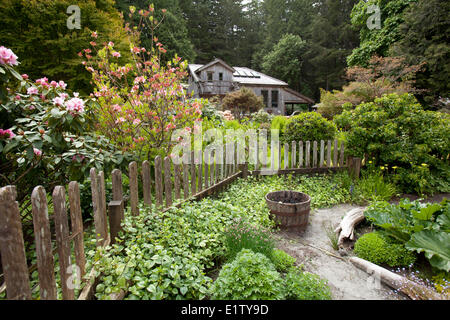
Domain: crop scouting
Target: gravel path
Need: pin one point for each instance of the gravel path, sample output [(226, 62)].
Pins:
[(345, 280)]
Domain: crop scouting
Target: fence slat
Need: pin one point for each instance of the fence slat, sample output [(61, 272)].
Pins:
[(146, 183), (315, 154), (76, 220), (14, 262), (177, 181), (115, 219), (168, 182), (158, 182), (329, 153), (62, 242), (341, 158), (300, 156), (186, 181), (200, 170), (102, 201), (286, 155), (294, 154), (206, 170), (134, 190), (97, 206), (322, 153), (44, 254), (307, 154), (335, 153), (193, 176), (117, 189)]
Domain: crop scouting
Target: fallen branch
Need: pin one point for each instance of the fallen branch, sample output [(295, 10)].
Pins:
[(412, 289), (346, 228)]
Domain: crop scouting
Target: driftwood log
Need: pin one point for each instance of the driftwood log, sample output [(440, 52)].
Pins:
[(346, 228), (412, 289)]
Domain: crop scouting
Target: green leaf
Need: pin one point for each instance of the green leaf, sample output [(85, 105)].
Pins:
[(183, 290), (10, 146), (15, 74), (436, 246), (427, 212)]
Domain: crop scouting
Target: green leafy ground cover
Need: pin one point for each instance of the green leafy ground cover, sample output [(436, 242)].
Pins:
[(169, 255)]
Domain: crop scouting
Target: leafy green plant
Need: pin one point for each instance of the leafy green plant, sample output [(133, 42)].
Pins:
[(309, 126), (376, 248), (242, 234), (420, 227), (394, 131), (373, 187), (282, 261), (280, 123), (300, 285), (251, 276)]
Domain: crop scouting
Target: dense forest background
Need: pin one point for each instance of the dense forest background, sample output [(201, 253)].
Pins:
[(307, 43)]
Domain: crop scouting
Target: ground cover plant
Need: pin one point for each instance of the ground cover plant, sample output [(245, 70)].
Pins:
[(419, 227), (168, 255)]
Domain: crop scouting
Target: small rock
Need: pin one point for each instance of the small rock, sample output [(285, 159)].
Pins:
[(343, 252)]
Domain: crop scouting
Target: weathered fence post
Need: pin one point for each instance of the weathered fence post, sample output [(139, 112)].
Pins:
[(77, 227), (294, 154), (322, 151), (134, 189), (43, 241), (62, 242), (146, 183), (200, 170), (193, 179), (99, 219), (167, 182), (335, 153), (315, 154), (329, 153), (300, 156), (286, 156), (14, 262), (307, 154), (117, 190), (115, 208), (186, 181), (177, 181), (158, 182)]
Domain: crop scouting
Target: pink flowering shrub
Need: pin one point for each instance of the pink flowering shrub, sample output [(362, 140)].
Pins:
[(140, 104), (45, 136)]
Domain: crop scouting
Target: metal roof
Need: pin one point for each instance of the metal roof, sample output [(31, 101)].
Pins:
[(244, 75)]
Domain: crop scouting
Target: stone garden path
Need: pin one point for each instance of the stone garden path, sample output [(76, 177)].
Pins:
[(310, 249)]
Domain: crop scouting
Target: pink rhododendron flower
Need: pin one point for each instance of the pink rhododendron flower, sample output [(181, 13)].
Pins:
[(120, 120), (58, 101), (54, 84), (116, 54), (117, 108), (94, 34), (62, 85), (43, 81), (7, 133), (75, 106), (32, 90), (25, 76), (111, 44), (136, 121), (7, 57), (37, 152)]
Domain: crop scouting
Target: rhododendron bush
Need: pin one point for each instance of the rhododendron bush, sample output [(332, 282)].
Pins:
[(44, 134), (140, 104)]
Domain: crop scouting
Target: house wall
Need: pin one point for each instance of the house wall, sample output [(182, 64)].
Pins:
[(258, 91)]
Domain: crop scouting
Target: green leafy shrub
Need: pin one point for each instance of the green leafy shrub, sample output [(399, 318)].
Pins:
[(262, 117), (309, 126), (251, 276), (242, 234), (373, 187), (282, 260), (378, 249), (305, 286), (280, 123), (396, 132)]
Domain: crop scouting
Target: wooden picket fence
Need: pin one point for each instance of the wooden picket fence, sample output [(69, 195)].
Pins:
[(171, 186)]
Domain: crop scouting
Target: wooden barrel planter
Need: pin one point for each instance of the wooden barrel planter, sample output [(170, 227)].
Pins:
[(290, 209)]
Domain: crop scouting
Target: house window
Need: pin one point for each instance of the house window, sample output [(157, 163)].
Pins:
[(265, 95), (274, 98), (210, 76), (220, 76)]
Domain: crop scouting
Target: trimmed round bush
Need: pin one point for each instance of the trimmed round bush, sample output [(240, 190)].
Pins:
[(305, 286), (250, 276), (282, 261), (309, 126), (376, 248)]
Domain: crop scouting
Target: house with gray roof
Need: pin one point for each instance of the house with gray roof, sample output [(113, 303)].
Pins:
[(217, 79)]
